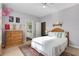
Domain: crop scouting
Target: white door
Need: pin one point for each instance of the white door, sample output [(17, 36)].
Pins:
[(38, 29)]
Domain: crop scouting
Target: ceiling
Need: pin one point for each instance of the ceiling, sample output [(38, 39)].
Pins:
[(36, 9)]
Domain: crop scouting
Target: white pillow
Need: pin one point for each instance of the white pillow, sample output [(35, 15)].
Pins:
[(57, 34), (52, 34), (64, 34), (61, 35)]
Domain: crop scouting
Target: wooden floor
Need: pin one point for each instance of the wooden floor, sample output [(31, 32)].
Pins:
[(70, 51), (12, 51), (15, 51)]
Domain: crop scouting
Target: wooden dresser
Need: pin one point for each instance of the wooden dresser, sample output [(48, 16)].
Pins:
[(13, 38)]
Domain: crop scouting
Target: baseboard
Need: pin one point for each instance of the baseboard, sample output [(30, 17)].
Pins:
[(74, 46)]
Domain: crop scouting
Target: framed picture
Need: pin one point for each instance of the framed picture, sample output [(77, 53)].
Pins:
[(11, 19), (7, 26), (17, 20), (57, 25)]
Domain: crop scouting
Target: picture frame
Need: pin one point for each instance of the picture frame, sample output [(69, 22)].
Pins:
[(57, 25), (11, 19), (17, 20)]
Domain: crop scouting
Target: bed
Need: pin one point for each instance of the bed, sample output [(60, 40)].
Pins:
[(50, 45)]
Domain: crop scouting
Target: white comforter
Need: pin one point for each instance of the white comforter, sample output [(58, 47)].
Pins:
[(49, 45)]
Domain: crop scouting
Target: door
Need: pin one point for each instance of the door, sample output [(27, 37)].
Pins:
[(43, 28), (38, 29)]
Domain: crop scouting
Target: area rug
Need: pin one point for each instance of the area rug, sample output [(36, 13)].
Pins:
[(29, 51)]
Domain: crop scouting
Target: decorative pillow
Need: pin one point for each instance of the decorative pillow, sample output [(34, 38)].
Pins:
[(64, 34), (61, 35)]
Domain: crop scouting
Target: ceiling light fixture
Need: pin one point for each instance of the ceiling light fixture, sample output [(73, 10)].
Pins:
[(44, 5)]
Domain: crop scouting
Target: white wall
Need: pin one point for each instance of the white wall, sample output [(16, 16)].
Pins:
[(70, 18), (23, 20)]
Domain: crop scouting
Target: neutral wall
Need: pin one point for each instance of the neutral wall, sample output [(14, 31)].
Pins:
[(24, 18), (70, 18)]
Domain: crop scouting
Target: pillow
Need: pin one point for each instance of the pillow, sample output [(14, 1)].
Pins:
[(64, 34), (52, 34), (61, 34), (57, 34)]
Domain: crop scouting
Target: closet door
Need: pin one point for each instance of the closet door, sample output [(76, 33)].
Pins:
[(38, 29)]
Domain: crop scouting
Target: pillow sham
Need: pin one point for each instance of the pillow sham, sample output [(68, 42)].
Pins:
[(51, 34), (57, 34), (61, 35)]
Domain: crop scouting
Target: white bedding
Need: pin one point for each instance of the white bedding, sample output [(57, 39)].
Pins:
[(50, 46)]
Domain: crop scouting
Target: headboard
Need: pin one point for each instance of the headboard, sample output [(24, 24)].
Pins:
[(61, 30), (57, 30)]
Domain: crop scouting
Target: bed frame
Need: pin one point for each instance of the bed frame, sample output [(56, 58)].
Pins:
[(61, 30)]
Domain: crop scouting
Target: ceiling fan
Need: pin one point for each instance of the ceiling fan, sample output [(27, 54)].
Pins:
[(44, 5)]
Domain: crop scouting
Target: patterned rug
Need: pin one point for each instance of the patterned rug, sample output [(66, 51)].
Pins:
[(29, 51)]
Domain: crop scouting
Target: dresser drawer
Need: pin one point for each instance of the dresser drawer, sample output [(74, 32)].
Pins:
[(8, 39), (17, 32), (16, 35), (8, 43), (17, 40)]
